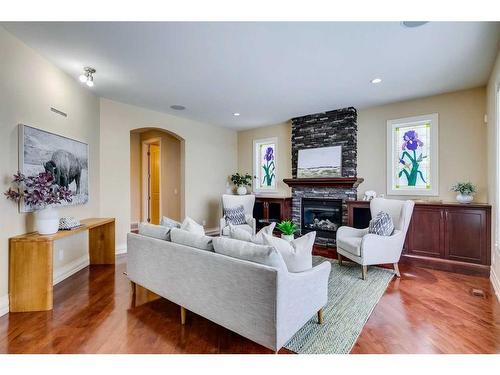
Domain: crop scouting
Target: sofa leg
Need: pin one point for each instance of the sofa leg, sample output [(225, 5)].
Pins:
[(396, 269), (339, 257), (320, 316), (364, 271), (133, 293), (183, 315)]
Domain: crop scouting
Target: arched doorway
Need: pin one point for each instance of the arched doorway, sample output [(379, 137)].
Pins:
[(156, 176)]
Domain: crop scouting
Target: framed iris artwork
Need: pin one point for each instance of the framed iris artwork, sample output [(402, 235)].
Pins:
[(265, 166), (412, 156)]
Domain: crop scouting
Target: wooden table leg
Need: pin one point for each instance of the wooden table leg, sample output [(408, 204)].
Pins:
[(102, 244)]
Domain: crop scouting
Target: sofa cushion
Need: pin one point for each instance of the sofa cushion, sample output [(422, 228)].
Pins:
[(192, 226), (169, 223), (381, 225), (262, 254), (350, 244), (245, 227), (297, 253), (235, 215), (191, 239), (154, 231), (244, 235)]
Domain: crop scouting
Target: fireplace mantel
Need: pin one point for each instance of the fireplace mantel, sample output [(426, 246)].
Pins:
[(340, 182)]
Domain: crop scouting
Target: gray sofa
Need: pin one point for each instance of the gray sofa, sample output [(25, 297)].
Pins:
[(261, 303)]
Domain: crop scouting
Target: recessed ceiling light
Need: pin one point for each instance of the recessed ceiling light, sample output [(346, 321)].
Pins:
[(376, 80), (412, 24), (236, 114), (178, 107)]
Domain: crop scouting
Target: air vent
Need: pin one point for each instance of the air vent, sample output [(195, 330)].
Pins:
[(58, 112)]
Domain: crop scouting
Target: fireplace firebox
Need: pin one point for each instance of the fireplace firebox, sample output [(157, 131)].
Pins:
[(321, 215)]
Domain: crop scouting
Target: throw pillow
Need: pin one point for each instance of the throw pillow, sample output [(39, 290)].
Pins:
[(266, 255), (169, 223), (235, 215), (297, 254), (192, 226), (242, 235), (154, 231), (382, 224), (191, 239)]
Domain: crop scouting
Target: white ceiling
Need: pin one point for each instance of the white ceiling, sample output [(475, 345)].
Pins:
[(268, 72)]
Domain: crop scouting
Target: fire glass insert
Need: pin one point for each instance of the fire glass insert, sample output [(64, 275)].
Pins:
[(321, 215)]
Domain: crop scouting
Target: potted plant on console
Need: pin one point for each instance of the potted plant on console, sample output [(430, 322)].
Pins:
[(465, 191), (41, 193), (241, 182), (288, 229)]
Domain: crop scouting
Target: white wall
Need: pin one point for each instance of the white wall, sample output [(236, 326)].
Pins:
[(29, 86), (210, 157), (493, 173)]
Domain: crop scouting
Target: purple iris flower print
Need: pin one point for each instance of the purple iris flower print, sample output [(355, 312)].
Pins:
[(411, 141), (269, 168), (269, 154)]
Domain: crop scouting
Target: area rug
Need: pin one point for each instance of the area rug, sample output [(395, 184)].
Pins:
[(351, 301)]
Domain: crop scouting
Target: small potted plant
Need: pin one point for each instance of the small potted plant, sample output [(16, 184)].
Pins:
[(241, 182), (41, 193), (465, 191), (287, 228)]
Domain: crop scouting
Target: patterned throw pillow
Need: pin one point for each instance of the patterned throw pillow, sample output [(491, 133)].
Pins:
[(381, 225), (235, 215)]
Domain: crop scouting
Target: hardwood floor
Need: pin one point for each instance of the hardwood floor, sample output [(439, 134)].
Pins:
[(426, 311)]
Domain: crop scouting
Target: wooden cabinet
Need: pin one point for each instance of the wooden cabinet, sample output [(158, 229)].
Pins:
[(447, 236), (271, 209)]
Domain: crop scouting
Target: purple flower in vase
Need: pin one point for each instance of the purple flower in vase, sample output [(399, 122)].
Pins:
[(269, 154), (411, 141)]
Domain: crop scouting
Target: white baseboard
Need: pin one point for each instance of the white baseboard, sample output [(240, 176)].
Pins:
[(4, 305), (212, 231), (70, 269), (495, 281), (121, 249)]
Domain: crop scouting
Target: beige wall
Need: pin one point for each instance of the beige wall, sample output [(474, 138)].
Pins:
[(462, 140), (284, 162), (170, 173), (29, 86), (210, 157), (493, 174)]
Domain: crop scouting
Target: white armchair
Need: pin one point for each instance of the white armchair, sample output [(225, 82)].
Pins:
[(368, 249), (231, 201)]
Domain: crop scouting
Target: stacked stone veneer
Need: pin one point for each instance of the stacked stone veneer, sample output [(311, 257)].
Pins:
[(333, 128)]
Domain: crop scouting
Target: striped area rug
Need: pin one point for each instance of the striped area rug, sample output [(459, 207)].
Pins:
[(351, 301)]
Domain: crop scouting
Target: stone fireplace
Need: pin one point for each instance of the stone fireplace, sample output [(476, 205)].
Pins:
[(323, 200)]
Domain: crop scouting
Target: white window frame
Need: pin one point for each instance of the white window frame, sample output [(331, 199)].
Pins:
[(434, 153), (256, 165)]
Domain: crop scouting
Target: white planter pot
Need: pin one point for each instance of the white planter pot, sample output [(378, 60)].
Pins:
[(464, 198), (288, 237), (242, 190), (47, 220)]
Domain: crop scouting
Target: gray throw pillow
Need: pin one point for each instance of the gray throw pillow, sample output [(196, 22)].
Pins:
[(169, 223), (191, 239), (262, 254), (235, 215), (154, 231), (381, 225)]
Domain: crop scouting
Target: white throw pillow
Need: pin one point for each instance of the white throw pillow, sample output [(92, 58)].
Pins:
[(191, 239), (266, 255), (169, 223), (154, 231), (297, 254), (192, 226), (242, 235)]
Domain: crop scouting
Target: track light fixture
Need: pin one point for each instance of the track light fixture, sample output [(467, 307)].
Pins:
[(88, 76)]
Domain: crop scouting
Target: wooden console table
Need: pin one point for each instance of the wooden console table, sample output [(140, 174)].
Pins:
[(31, 262)]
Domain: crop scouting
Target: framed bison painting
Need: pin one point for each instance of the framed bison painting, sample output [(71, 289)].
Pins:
[(67, 159), (412, 156)]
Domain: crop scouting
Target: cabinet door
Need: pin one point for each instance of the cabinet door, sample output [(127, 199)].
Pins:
[(465, 235), (425, 234)]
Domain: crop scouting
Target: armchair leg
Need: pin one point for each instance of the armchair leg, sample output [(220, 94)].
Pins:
[(364, 271), (183, 315), (396, 269), (339, 257), (320, 316)]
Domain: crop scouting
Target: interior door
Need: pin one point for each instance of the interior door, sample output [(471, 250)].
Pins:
[(154, 183)]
